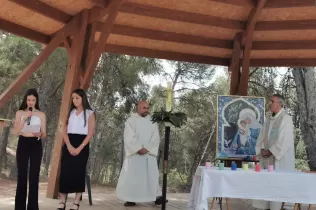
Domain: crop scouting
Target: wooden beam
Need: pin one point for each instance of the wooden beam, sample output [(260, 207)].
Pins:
[(30, 69), (67, 44), (89, 46), (44, 9), (243, 3), (289, 3), (71, 82), (143, 52), (254, 14), (284, 45), (289, 62), (205, 41), (270, 3), (23, 32), (113, 7), (100, 3), (234, 67), (190, 17), (147, 10), (169, 36), (97, 13), (286, 25)]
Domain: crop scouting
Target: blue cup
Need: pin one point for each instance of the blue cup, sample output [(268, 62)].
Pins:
[(234, 166)]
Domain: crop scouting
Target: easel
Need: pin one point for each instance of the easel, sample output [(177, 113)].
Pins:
[(297, 206)]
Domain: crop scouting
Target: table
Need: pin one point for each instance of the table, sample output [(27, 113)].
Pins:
[(281, 186)]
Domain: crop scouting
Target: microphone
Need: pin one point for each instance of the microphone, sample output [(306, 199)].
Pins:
[(29, 118)]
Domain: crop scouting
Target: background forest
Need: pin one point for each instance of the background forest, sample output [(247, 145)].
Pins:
[(120, 81)]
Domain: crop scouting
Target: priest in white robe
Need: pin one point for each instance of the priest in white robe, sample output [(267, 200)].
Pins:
[(138, 181), (275, 144)]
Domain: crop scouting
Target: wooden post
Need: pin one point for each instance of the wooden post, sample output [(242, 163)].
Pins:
[(98, 48), (252, 19), (71, 82), (234, 67)]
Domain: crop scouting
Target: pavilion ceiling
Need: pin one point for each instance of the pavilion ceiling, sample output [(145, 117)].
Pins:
[(284, 33)]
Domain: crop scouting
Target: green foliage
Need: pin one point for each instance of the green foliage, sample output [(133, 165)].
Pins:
[(177, 119)]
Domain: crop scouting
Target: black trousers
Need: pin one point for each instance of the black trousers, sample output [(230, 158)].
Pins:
[(29, 151)]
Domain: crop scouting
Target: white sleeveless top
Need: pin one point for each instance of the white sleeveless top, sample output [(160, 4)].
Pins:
[(76, 123), (35, 124)]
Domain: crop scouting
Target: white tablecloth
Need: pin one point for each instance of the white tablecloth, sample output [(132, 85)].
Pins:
[(292, 187)]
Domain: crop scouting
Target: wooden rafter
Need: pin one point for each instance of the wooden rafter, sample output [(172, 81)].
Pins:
[(71, 82), (169, 36), (143, 52), (44, 9), (88, 48), (296, 62), (286, 25), (23, 32), (30, 69), (190, 17), (113, 9), (270, 3), (234, 67), (100, 3), (171, 14), (254, 14)]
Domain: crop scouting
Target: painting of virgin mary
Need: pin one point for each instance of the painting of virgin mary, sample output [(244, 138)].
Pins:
[(239, 122)]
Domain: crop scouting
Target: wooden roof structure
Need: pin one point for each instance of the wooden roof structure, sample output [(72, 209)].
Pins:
[(196, 31), (234, 33)]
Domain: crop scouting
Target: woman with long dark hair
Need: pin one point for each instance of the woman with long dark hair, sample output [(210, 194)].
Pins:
[(75, 152), (30, 126)]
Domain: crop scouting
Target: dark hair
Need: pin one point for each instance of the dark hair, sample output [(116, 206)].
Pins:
[(85, 104), (30, 92)]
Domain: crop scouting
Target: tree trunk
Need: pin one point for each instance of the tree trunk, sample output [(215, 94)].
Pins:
[(306, 93)]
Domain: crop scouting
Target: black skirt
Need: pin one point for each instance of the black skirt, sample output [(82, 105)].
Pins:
[(73, 168)]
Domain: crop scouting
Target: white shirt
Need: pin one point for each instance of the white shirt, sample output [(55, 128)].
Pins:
[(76, 123), (35, 125)]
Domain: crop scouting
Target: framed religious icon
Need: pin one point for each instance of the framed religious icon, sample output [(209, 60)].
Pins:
[(239, 121)]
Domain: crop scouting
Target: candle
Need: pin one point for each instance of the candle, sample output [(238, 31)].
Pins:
[(208, 164), (169, 97), (221, 166), (258, 167), (270, 168), (245, 166)]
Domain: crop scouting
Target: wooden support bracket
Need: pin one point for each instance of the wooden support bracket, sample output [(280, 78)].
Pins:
[(71, 82), (113, 7), (234, 67), (252, 20)]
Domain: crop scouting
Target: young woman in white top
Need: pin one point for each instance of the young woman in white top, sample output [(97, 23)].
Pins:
[(75, 153), (30, 126)]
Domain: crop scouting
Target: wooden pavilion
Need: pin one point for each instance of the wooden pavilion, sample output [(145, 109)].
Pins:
[(234, 33)]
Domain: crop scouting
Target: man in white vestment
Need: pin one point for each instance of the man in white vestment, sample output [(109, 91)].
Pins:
[(275, 144), (138, 181)]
